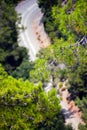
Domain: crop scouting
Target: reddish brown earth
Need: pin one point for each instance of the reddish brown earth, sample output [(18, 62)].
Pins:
[(40, 34), (71, 112)]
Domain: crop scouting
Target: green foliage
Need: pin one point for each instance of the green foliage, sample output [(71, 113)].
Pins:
[(71, 19), (11, 1), (66, 24), (44, 4), (74, 57), (24, 106), (23, 71), (81, 127), (40, 73), (83, 106), (3, 74), (60, 85), (11, 55), (78, 74), (67, 21)]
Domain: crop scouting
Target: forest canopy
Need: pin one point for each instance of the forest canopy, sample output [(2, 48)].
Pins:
[(12, 57), (25, 106), (23, 103)]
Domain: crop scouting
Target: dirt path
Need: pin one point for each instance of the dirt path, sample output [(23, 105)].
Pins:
[(33, 37), (40, 34), (70, 110)]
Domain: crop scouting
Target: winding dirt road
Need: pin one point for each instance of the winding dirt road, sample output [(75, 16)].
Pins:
[(33, 38), (30, 13), (70, 111)]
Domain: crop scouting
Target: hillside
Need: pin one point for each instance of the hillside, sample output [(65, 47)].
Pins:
[(24, 105)]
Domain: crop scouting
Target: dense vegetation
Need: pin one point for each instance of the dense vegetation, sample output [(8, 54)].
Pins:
[(66, 20), (24, 105), (66, 24), (12, 56), (12, 1)]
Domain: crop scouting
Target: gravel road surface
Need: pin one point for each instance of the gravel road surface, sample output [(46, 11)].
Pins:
[(29, 11)]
